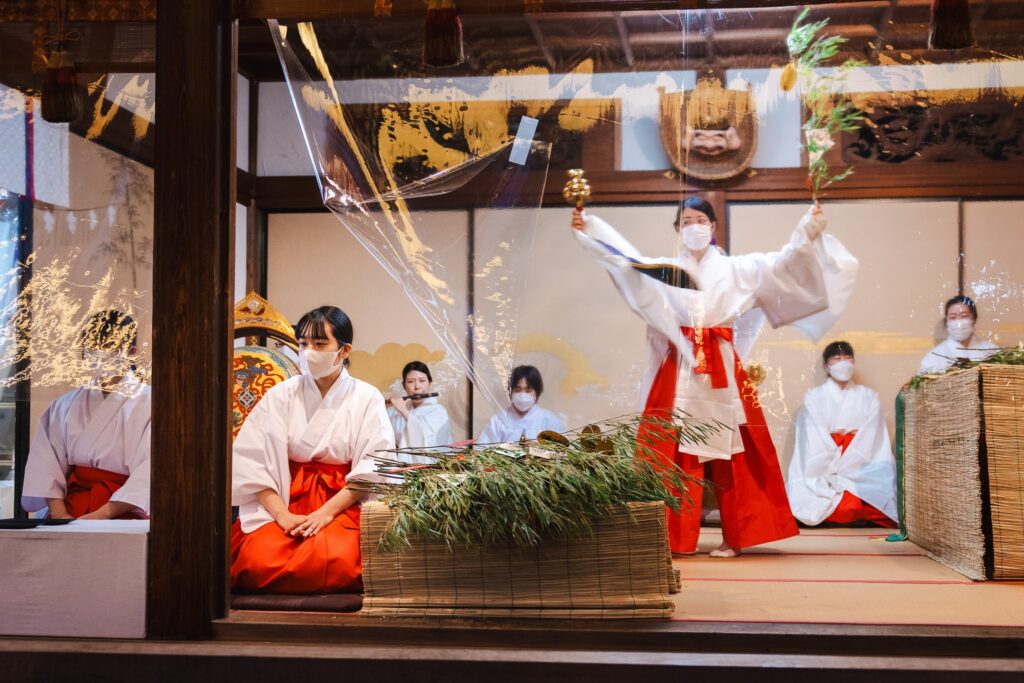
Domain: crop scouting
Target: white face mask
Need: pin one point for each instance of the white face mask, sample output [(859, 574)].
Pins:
[(696, 236), (960, 329), (523, 400), (317, 364), (841, 370)]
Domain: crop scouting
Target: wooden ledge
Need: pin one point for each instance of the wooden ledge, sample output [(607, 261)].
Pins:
[(642, 636)]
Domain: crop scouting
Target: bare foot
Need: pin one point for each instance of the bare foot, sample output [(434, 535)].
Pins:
[(724, 550)]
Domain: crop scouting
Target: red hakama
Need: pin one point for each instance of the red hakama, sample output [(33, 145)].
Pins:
[(90, 488), (749, 487), (268, 560), (852, 509)]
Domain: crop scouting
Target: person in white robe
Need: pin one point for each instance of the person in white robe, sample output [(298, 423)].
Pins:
[(842, 470), (524, 418), (298, 463), (962, 342), (419, 421), (703, 309), (89, 457)]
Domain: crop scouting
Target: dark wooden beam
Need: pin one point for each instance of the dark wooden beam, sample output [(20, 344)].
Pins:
[(49, 660), (652, 635), (194, 221), (245, 188), (256, 218), (288, 193), (876, 181), (331, 9)]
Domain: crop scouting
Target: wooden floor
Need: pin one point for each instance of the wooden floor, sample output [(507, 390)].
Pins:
[(841, 604), (827, 591), (839, 576)]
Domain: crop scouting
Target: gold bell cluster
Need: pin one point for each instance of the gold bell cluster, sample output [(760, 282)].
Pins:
[(577, 189)]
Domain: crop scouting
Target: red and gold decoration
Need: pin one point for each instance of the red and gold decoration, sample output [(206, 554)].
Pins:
[(257, 368), (442, 38), (756, 373)]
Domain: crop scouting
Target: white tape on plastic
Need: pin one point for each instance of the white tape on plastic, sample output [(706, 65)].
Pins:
[(524, 138)]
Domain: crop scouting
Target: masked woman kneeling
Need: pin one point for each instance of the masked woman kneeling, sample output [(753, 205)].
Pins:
[(298, 461)]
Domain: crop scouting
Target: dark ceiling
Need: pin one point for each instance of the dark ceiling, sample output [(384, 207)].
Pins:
[(629, 41), (894, 30)]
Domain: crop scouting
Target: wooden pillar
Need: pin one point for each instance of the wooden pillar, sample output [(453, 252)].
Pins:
[(256, 228), (192, 301)]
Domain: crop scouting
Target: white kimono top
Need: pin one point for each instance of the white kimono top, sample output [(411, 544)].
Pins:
[(427, 427), (820, 472), (805, 284), (942, 357), (84, 427), (508, 426), (293, 422)]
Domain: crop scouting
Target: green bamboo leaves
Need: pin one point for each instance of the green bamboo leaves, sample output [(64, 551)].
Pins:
[(519, 494), (828, 114)]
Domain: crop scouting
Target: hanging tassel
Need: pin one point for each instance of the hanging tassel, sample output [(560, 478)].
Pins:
[(62, 98), (950, 27), (442, 38)]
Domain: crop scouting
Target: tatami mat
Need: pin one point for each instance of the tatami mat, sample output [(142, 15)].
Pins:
[(850, 576)]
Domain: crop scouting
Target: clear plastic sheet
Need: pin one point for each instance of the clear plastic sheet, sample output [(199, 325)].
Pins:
[(76, 221), (82, 263), (369, 190), (75, 239), (390, 139)]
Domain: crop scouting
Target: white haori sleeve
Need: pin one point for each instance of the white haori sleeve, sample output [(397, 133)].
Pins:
[(813, 485), (868, 468), (552, 422), (135, 440), (397, 424), (942, 357), (936, 360), (260, 457), (46, 471), (645, 296), (746, 330), (369, 432), (427, 427), (806, 284), (495, 431)]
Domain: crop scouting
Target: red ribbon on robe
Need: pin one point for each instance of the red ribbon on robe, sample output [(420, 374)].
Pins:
[(844, 440), (707, 352)]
